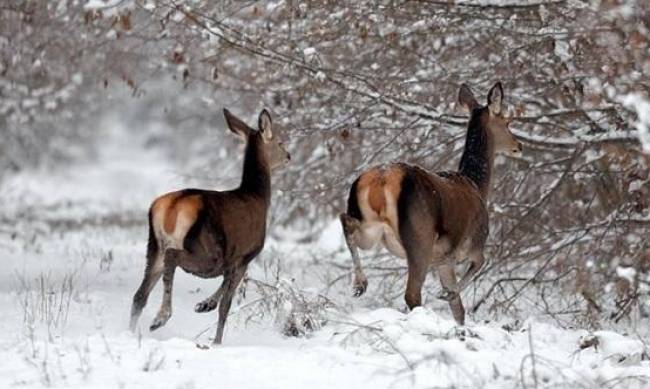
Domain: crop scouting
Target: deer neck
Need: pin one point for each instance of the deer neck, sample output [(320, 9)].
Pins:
[(478, 156), (256, 176)]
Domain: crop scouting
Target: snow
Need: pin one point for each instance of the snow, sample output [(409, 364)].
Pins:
[(641, 106), (309, 52), (103, 4), (86, 223), (563, 50), (331, 238), (628, 273)]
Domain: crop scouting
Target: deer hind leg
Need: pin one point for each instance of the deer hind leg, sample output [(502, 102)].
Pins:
[(171, 260), (450, 292), (418, 241), (210, 303), (476, 263), (351, 228), (152, 274), (417, 273), (231, 280)]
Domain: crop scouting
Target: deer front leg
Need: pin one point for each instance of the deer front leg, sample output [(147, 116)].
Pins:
[(165, 311), (231, 281), (351, 227), (210, 303)]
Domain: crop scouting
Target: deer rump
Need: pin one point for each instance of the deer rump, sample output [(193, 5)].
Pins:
[(214, 227), (413, 212)]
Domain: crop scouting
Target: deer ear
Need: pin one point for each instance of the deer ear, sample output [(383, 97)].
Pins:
[(466, 98), (264, 124), (495, 98), (236, 125)]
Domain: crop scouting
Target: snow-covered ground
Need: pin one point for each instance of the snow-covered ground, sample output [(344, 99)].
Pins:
[(72, 245)]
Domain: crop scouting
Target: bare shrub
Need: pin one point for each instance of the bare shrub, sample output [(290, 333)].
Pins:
[(106, 261), (296, 312), (45, 300)]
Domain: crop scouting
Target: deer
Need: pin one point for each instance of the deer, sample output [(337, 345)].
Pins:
[(433, 220), (211, 233)]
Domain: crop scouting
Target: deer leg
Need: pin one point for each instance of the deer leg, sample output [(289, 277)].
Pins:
[(152, 274), (476, 263), (350, 227), (450, 292), (165, 311), (231, 281), (417, 273), (211, 302)]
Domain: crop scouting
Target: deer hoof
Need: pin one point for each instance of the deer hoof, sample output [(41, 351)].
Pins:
[(360, 288), (159, 321), (205, 306), (447, 294)]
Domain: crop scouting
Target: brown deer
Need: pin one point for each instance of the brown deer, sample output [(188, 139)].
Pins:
[(210, 233), (432, 218)]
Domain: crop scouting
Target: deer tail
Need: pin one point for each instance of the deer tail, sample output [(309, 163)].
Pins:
[(152, 244), (353, 202)]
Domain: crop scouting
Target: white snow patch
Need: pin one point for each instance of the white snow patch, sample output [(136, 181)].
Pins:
[(626, 272), (641, 106), (331, 239)]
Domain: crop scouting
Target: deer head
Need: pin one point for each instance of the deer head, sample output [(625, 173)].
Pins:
[(493, 117), (273, 148)]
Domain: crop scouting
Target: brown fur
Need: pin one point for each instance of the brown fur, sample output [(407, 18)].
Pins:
[(383, 187), (172, 205), (373, 181), (187, 207)]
